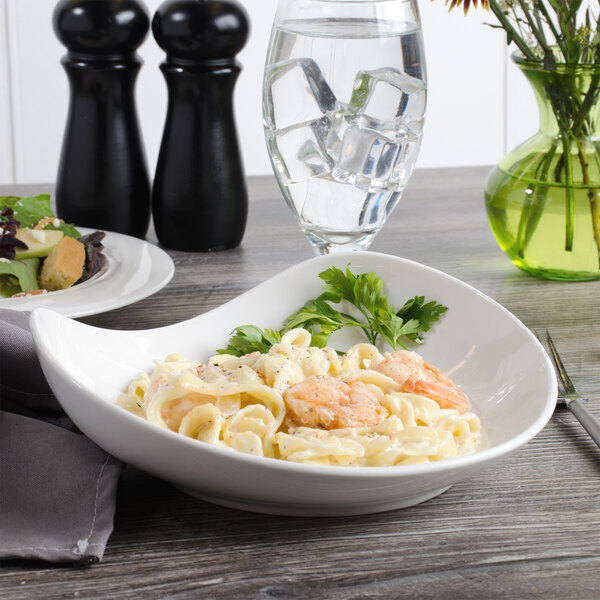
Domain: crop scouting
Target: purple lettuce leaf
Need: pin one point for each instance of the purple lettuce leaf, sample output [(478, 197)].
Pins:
[(8, 228), (94, 259)]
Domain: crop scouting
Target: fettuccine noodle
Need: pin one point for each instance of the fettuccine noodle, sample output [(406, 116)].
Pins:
[(310, 405)]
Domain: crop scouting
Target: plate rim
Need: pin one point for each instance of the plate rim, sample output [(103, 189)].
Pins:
[(160, 274)]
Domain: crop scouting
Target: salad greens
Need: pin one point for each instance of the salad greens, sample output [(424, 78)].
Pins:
[(377, 317), (30, 211), (19, 274)]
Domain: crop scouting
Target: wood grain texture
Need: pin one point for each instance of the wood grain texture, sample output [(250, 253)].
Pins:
[(529, 528)]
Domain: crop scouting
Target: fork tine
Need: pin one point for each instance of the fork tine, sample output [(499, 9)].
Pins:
[(544, 344), (566, 380)]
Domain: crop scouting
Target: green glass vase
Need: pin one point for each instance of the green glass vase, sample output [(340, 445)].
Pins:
[(543, 198)]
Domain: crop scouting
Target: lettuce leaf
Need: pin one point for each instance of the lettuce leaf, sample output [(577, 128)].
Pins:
[(8, 231), (18, 276), (32, 209), (94, 259)]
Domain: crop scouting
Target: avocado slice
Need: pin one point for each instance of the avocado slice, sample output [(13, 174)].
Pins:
[(39, 242), (18, 276)]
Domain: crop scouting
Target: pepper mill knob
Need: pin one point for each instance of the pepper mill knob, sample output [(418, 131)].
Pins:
[(199, 30), (100, 27), (102, 179), (199, 198)]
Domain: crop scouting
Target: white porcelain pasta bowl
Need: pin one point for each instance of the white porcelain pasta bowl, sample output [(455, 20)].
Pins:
[(487, 351)]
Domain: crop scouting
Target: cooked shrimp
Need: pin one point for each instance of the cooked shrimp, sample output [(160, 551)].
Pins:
[(327, 403), (418, 377), (172, 411), (155, 384)]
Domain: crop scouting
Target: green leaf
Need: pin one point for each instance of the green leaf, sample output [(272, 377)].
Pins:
[(67, 229), (575, 4), (314, 312), (368, 293), (250, 338), (18, 276), (338, 284), (319, 340), (29, 211), (395, 328), (8, 201), (425, 313), (321, 319)]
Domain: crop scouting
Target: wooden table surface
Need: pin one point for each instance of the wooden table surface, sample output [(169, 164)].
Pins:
[(527, 528)]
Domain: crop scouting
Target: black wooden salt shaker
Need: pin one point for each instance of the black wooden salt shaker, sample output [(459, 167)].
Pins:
[(102, 177), (199, 198)]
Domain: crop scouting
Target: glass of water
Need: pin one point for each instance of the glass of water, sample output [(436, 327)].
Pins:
[(344, 99)]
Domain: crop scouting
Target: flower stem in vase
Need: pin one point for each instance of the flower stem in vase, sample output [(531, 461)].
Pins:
[(569, 195), (534, 204), (583, 127), (592, 195)]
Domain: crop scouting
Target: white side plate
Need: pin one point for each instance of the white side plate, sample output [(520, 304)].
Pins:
[(134, 269)]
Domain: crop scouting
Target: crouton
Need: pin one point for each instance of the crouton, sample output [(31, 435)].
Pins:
[(63, 266)]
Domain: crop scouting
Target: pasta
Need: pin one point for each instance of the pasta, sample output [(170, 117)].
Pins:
[(310, 405)]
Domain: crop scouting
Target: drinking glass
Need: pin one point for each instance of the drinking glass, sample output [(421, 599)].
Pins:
[(344, 98)]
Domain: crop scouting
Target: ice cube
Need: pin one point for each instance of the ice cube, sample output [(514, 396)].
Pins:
[(389, 100), (340, 119), (301, 151), (296, 92), (330, 206), (369, 160), (409, 150)]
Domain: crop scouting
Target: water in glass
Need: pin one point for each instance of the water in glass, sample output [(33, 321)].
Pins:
[(344, 102)]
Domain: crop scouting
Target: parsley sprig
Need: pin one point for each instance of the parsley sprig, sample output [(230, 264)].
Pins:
[(250, 338), (365, 292)]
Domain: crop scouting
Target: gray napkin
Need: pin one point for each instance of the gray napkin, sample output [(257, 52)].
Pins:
[(57, 488)]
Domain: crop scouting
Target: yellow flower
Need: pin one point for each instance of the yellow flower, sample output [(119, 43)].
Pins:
[(467, 4)]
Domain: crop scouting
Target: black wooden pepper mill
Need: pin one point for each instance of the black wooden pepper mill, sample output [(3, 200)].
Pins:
[(199, 198), (102, 177)]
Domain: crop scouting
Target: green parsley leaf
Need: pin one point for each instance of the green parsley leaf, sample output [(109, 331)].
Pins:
[(424, 313), (249, 338), (318, 317), (365, 293)]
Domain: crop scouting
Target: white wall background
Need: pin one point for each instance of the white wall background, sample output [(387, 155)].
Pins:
[(479, 107)]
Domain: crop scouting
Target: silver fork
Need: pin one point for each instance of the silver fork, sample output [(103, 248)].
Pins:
[(571, 398)]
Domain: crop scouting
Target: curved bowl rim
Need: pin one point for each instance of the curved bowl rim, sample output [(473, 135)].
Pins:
[(477, 458)]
